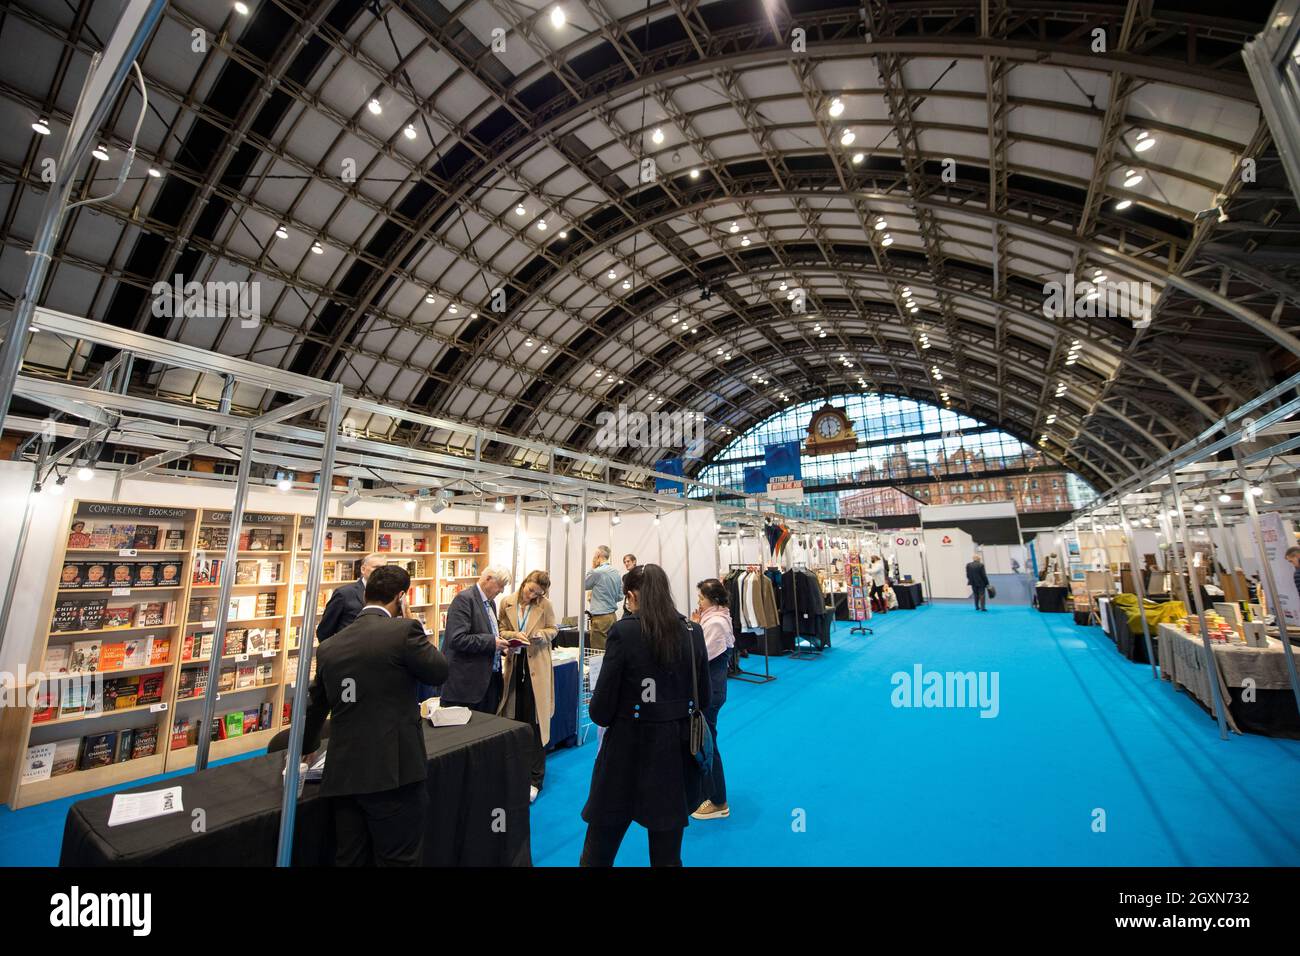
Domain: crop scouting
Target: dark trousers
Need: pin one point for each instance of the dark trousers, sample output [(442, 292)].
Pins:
[(381, 829), (878, 593), (490, 701), (716, 786), (981, 597), (602, 843), (526, 712)]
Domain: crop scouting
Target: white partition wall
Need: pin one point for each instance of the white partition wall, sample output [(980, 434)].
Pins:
[(947, 551)]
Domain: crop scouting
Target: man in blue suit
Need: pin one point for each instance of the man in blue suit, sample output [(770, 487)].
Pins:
[(473, 645), (978, 579)]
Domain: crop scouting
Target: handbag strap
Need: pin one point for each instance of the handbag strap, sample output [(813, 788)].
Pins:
[(695, 677)]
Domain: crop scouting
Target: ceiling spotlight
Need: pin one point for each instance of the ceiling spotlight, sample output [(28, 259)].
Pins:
[(695, 174), (564, 234), (85, 473), (281, 232), (925, 345), (858, 158), (914, 309), (409, 132), (546, 350), (499, 505), (882, 224), (521, 210), (657, 136), (155, 172), (744, 240), (611, 274), (557, 17), (541, 225), (888, 240), (409, 504), (836, 107), (1225, 498), (627, 283), (847, 138), (735, 227), (821, 335), (57, 488), (1198, 507), (430, 299), (241, 8), (284, 482), (375, 106), (453, 309), (1144, 141), (100, 152), (907, 290), (317, 248), (1132, 178), (1123, 204), (1256, 491), (353, 495), (528, 343), (42, 126), (565, 517), (615, 519)]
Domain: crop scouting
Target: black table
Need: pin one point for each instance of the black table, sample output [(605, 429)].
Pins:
[(909, 596), (1051, 600), (474, 770)]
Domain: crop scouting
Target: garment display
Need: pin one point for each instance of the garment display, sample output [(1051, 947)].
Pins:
[(753, 601), (803, 608)]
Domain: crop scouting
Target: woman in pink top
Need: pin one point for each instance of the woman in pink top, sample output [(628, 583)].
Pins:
[(714, 618)]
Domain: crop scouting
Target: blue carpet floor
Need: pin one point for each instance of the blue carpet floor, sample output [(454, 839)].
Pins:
[(822, 769)]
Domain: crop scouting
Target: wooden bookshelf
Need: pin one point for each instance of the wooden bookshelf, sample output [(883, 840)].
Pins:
[(103, 538), (462, 557), (413, 545)]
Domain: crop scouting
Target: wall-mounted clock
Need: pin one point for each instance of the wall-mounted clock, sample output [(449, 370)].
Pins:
[(829, 431)]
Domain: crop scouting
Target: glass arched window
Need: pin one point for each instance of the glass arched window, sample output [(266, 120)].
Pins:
[(930, 452)]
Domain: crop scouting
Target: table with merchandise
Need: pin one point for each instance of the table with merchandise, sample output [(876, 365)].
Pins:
[(477, 771), (909, 595)]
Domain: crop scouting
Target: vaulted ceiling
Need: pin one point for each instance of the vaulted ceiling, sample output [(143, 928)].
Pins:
[(643, 185)]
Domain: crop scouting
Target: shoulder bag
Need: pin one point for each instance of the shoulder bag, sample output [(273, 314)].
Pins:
[(701, 738)]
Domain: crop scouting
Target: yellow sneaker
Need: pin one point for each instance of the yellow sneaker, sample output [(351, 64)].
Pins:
[(708, 810)]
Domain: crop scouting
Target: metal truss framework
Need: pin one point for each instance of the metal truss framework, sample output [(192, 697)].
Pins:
[(1224, 303)]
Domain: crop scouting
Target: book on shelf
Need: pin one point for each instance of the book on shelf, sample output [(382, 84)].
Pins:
[(265, 672), (250, 721), (135, 652), (121, 536), (160, 650), (78, 536), (99, 750), (144, 742), (242, 607), (264, 715), (151, 688), (116, 617), (121, 693), (175, 539), (355, 541), (327, 571), (144, 575), (84, 657), (57, 658), (39, 763), (213, 538), (72, 699), (225, 680), (169, 574), (202, 609), (182, 733), (262, 639), (71, 575), (207, 570), (100, 539), (267, 603), (67, 753), (265, 539), (111, 656), (193, 683), (245, 676), (125, 740), (46, 706), (246, 571), (384, 542), (145, 538), (153, 613), (236, 641), (95, 575)]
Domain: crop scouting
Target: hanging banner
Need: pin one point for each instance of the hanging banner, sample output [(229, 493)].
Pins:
[(755, 480), (669, 466), (783, 463), (859, 606), (1278, 536)]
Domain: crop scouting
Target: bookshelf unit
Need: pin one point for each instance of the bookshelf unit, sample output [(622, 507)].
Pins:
[(462, 556), (255, 629), (413, 545), (95, 674)]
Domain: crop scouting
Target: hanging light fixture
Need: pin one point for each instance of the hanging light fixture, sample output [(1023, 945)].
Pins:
[(847, 138), (409, 131), (557, 17), (1144, 141), (375, 106), (836, 108), (42, 126)]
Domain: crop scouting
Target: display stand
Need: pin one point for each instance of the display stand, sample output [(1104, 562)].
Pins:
[(463, 553), (740, 673), (859, 609), (810, 652), (413, 546)]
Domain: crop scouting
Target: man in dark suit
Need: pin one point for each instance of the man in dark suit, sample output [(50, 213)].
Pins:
[(978, 579), (473, 645), (347, 601), (376, 764)]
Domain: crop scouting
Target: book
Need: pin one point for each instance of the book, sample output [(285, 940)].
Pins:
[(118, 617), (264, 716), (251, 721), (160, 650), (99, 537), (266, 604), (66, 616), (226, 680), (72, 699), (265, 673), (120, 574), (269, 572), (385, 542), (213, 538), (144, 742), (99, 750), (236, 641), (175, 539), (46, 706), (245, 676), (152, 613), (145, 576), (84, 658), (111, 656), (66, 755), (71, 575), (181, 732), (92, 614), (355, 541), (135, 652), (203, 609), (121, 693), (121, 536), (95, 575), (246, 572), (169, 574), (151, 688), (145, 538), (39, 763), (78, 536), (56, 659), (234, 724), (243, 607), (125, 741), (245, 540)]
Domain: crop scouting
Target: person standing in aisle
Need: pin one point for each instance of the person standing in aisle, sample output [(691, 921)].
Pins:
[(877, 571), (629, 562), (365, 680), (526, 672), (714, 616), (978, 579), (644, 770), (605, 586), (1293, 555), (347, 601), (474, 645)]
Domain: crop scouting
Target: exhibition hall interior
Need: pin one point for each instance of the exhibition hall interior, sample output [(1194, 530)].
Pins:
[(451, 432)]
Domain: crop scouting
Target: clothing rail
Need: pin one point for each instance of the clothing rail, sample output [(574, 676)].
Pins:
[(740, 673)]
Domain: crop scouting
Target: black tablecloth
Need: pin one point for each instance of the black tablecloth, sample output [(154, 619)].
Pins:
[(909, 596), (474, 771), (840, 601), (564, 722), (1052, 600)]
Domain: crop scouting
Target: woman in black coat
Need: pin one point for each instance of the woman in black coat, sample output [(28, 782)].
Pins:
[(644, 772)]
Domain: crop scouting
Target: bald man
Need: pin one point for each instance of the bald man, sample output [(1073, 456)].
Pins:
[(347, 601)]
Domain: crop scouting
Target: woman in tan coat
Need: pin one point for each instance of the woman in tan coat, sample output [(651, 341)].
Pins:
[(528, 683)]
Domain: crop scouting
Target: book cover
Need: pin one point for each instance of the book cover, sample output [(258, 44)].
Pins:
[(226, 680), (99, 750), (145, 538), (160, 650), (236, 641), (265, 672), (181, 733), (144, 743), (145, 576), (261, 540), (121, 536), (256, 641), (46, 706), (125, 741), (66, 616), (118, 617), (71, 575), (356, 541), (246, 572), (100, 539), (251, 721), (135, 652), (151, 688), (112, 656), (121, 693), (187, 686), (245, 676), (235, 724), (175, 539), (327, 571), (92, 614), (95, 576), (243, 607), (39, 763), (66, 755), (268, 572), (78, 536), (151, 614), (56, 659), (385, 542), (85, 657), (187, 647), (245, 540), (264, 716), (120, 574), (168, 574)]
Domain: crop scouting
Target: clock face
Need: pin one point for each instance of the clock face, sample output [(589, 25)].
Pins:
[(829, 426)]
